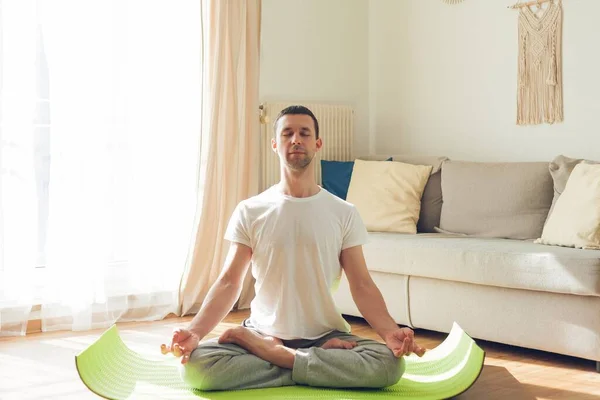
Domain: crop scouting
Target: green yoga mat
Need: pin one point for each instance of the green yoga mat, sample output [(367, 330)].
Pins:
[(113, 371)]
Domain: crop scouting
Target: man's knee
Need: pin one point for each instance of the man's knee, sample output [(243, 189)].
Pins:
[(206, 369), (395, 369), (197, 372), (388, 369)]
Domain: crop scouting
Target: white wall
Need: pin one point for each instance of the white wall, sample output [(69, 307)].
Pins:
[(316, 50), (442, 81)]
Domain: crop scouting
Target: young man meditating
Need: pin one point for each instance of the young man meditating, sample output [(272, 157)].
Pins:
[(297, 237)]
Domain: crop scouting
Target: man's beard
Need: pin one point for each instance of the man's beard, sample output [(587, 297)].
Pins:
[(300, 164)]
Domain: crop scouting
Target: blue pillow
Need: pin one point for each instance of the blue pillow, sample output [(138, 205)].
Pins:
[(336, 175)]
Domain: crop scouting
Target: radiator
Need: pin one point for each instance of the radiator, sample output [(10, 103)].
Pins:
[(336, 129)]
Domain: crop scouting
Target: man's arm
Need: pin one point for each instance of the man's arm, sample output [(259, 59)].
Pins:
[(365, 293), (224, 292), (371, 305)]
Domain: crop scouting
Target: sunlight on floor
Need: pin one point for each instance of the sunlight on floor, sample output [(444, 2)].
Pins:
[(41, 379)]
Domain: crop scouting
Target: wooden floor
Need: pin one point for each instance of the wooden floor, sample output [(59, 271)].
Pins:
[(41, 365)]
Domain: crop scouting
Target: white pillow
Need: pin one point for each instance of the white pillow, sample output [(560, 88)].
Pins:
[(387, 194), (575, 219)]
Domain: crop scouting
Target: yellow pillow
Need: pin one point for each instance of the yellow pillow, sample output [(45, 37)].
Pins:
[(387, 194), (575, 220)]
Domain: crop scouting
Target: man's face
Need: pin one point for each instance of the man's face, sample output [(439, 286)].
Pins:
[(295, 141)]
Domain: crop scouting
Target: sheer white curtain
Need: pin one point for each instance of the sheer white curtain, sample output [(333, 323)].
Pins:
[(100, 128)]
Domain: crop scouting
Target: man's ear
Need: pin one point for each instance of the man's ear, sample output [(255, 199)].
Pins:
[(319, 143), (274, 145)]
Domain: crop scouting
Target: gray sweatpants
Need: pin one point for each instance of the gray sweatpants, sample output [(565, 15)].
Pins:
[(214, 366)]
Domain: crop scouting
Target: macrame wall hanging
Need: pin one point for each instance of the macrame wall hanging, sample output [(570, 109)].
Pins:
[(539, 80)]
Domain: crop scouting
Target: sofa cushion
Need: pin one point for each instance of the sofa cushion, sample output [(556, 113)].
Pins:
[(486, 261), (435, 161), (560, 170), (373, 157), (431, 201), (504, 200), (335, 176), (388, 194), (575, 221)]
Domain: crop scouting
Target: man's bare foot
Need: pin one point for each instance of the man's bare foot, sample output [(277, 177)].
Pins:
[(232, 335), (268, 348), (336, 343), (273, 339)]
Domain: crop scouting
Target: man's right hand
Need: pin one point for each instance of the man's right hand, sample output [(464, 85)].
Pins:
[(218, 302), (186, 340)]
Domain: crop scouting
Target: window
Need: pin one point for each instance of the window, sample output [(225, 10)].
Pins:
[(100, 108)]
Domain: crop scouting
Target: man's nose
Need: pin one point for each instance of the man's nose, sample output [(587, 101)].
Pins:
[(296, 138)]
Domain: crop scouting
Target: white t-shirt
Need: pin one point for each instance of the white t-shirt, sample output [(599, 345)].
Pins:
[(296, 245)]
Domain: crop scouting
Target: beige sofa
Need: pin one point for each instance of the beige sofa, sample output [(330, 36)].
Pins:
[(475, 260)]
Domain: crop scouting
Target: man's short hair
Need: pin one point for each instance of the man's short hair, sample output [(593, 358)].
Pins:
[(295, 110)]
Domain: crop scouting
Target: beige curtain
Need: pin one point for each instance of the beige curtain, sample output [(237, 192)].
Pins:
[(230, 137)]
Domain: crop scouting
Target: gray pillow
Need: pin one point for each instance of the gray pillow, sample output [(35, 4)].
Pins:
[(431, 201), (504, 200)]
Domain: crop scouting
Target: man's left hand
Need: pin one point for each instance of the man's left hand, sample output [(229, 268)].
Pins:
[(402, 342)]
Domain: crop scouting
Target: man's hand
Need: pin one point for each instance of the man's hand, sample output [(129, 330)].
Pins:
[(183, 343), (402, 342), (370, 303), (218, 302)]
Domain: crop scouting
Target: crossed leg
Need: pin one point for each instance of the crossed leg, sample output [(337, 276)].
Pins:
[(243, 359)]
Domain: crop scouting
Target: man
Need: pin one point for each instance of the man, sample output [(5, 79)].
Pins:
[(298, 237)]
